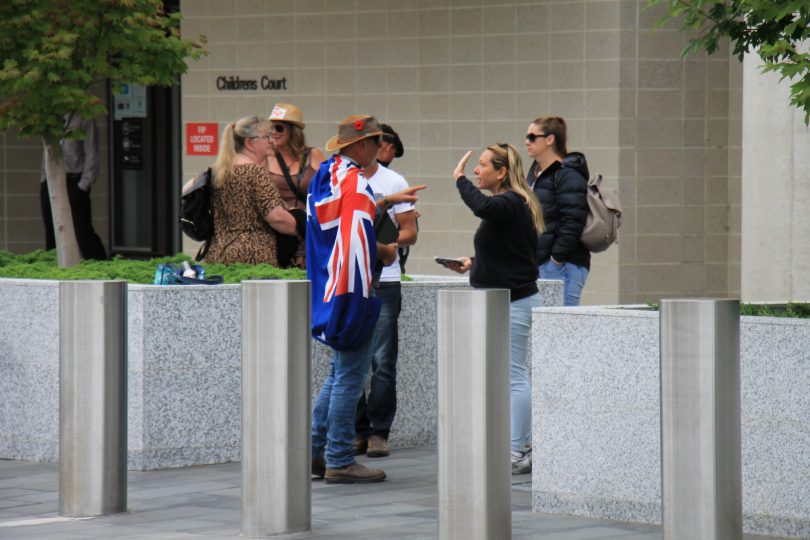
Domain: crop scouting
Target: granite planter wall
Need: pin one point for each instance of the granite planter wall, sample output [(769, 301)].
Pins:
[(184, 373), (596, 423)]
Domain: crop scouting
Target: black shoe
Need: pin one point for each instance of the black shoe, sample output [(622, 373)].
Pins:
[(318, 468)]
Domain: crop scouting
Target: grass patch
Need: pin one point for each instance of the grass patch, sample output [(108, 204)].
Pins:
[(42, 265)]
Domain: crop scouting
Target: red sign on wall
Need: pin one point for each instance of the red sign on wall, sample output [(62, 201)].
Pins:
[(202, 139)]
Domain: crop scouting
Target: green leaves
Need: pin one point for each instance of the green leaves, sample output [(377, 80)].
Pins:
[(773, 29), (54, 50)]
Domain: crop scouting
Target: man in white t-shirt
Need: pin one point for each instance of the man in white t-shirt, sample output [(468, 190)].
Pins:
[(375, 414)]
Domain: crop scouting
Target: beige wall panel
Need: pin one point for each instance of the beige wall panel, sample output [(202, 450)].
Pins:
[(23, 206), (659, 249), (603, 44), (279, 27), (659, 279), (28, 230), (694, 279), (457, 74), (693, 248), (465, 79), (604, 15)]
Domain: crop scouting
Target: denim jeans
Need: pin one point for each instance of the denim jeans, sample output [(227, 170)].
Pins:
[(376, 414), (520, 323), (333, 413), (574, 277)]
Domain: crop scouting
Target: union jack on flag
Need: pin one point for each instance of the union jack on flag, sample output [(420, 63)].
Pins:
[(341, 251)]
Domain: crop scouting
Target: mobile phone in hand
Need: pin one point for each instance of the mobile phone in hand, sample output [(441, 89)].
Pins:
[(448, 261)]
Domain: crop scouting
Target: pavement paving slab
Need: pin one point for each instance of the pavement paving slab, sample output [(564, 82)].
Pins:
[(204, 503)]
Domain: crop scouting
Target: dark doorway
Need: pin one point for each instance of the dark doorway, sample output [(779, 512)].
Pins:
[(145, 161), (145, 168)]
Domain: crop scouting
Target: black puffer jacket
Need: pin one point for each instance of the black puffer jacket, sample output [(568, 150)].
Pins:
[(562, 191)]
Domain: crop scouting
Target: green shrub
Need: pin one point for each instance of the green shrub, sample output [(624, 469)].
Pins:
[(42, 265), (796, 310)]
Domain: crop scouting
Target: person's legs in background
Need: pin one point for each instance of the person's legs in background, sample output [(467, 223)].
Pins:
[(375, 414), (90, 245), (573, 277), (520, 322), (47, 218)]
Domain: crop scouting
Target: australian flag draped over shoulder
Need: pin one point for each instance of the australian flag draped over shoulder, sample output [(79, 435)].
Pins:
[(341, 251)]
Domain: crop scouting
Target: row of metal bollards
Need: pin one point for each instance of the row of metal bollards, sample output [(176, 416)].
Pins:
[(700, 410)]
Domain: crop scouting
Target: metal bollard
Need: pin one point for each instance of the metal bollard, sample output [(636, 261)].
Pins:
[(701, 472), (276, 409), (92, 398), (473, 426)]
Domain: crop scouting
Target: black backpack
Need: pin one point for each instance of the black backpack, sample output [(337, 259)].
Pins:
[(196, 217)]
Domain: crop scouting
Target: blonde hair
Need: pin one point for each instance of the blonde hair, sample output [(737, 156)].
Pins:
[(506, 156), (298, 143), (233, 142)]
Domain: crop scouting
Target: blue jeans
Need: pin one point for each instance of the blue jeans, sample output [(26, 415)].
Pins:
[(333, 413), (376, 414), (520, 324), (574, 277)]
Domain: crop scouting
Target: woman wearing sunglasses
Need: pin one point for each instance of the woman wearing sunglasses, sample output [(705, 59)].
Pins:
[(559, 180), (291, 153), (292, 164), (505, 247)]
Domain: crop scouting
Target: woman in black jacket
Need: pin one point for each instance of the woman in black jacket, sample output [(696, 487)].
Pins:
[(560, 182), (505, 246)]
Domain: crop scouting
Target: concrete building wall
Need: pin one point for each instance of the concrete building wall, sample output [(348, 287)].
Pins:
[(453, 75), (775, 198), (674, 164), (457, 75)]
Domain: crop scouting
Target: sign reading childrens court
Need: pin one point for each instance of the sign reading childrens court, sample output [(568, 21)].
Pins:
[(202, 139), (235, 82)]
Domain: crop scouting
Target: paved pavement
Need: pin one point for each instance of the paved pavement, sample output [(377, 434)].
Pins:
[(203, 502)]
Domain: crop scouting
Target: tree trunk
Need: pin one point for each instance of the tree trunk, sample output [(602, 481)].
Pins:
[(67, 248)]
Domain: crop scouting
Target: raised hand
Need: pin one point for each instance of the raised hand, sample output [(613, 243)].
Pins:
[(459, 170)]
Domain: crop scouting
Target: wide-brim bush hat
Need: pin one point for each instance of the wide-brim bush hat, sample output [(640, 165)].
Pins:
[(353, 129), (391, 136), (285, 112)]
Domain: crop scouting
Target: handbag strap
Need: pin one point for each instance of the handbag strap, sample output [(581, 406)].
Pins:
[(295, 189)]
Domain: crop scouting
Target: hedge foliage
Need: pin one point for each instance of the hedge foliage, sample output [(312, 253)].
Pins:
[(42, 265), (795, 310)]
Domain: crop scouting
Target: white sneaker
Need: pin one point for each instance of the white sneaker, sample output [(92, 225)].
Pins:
[(521, 461)]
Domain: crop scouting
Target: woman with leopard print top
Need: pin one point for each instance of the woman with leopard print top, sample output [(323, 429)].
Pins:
[(247, 207)]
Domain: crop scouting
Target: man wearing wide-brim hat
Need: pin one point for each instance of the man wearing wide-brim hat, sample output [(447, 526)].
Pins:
[(341, 251)]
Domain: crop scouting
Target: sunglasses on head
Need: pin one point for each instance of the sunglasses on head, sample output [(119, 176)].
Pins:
[(531, 137), (279, 128)]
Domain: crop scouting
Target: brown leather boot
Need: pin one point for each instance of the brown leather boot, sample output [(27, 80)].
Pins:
[(354, 474), (377, 446), (359, 444)]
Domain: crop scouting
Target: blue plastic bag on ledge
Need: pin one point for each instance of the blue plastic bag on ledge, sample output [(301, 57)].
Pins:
[(172, 274)]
